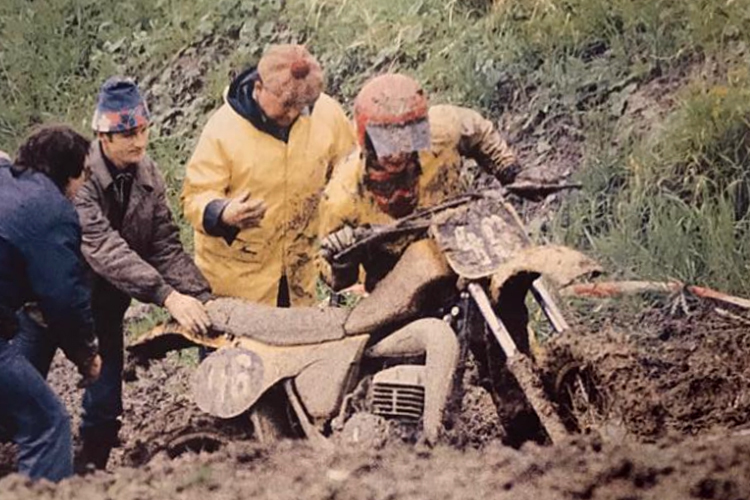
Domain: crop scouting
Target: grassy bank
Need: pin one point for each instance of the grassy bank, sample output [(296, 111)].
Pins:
[(649, 96)]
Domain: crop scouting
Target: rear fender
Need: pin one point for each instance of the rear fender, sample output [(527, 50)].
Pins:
[(231, 380)]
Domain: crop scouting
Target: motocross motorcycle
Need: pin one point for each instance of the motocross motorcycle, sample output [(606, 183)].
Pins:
[(471, 266)]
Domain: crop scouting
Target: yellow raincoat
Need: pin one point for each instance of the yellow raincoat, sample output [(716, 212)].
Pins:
[(455, 132), (232, 156)]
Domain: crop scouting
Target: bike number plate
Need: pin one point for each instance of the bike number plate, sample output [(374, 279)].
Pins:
[(228, 382), (477, 238)]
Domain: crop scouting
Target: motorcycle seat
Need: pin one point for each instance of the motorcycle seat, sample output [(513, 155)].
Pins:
[(275, 325)]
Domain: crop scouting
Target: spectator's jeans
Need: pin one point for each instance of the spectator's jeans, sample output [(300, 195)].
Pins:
[(102, 401), (34, 417)]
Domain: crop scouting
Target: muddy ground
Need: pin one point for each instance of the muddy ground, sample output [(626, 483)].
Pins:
[(658, 407)]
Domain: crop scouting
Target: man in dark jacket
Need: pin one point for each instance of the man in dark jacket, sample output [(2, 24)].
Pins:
[(132, 244), (40, 262)]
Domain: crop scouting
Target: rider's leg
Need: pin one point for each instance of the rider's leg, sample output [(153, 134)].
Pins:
[(436, 339)]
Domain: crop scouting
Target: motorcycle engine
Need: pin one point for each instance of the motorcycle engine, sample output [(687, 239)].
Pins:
[(398, 393)]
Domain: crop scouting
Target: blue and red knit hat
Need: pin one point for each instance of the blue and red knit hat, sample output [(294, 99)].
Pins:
[(119, 107)]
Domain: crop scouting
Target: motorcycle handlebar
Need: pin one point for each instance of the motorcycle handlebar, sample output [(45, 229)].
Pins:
[(365, 235)]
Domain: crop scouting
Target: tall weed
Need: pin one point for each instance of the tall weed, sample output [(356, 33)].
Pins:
[(679, 207)]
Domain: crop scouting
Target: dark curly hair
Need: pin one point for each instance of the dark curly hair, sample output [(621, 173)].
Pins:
[(57, 151)]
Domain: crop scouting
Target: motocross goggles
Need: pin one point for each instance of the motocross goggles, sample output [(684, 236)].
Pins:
[(395, 139)]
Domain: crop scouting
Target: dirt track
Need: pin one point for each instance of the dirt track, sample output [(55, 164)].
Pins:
[(666, 417), (580, 468)]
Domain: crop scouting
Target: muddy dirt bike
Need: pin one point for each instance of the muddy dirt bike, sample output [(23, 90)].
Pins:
[(472, 271)]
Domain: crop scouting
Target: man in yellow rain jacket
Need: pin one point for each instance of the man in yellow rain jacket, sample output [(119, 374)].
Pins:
[(410, 157), (254, 183)]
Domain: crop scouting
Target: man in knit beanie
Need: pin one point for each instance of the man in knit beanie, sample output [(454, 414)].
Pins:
[(292, 75), (253, 184), (132, 245)]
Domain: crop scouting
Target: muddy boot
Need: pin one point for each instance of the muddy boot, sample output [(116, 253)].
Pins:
[(97, 445)]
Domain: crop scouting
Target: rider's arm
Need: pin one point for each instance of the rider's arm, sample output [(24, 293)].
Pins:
[(481, 141), (343, 272), (338, 208), (340, 276)]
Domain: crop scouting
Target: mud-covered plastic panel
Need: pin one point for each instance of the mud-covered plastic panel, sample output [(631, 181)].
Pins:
[(419, 277), (228, 382), (478, 237), (321, 385), (560, 265)]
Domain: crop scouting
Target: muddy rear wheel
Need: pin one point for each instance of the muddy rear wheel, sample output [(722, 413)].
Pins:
[(195, 442), (272, 418)]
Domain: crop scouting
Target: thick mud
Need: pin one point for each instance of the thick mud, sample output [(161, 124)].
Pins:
[(581, 468), (657, 412), (673, 376)]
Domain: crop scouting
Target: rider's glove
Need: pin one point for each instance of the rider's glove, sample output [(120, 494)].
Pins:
[(336, 242), (508, 174)]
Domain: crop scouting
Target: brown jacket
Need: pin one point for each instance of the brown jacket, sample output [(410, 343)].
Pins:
[(144, 259)]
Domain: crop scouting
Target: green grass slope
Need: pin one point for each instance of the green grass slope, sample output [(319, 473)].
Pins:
[(647, 102)]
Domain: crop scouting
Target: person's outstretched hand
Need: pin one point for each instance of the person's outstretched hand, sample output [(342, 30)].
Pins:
[(188, 312)]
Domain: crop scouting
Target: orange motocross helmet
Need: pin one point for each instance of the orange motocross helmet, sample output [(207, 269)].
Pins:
[(392, 128)]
